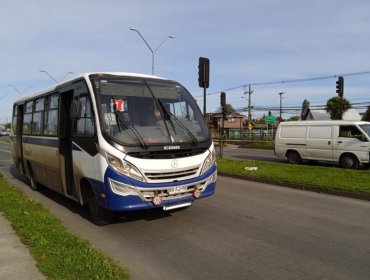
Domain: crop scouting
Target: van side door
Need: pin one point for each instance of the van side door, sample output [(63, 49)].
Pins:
[(320, 142)]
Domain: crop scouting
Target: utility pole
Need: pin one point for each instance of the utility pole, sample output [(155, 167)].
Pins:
[(250, 91), (281, 94)]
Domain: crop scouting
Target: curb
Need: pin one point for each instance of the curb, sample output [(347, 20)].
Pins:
[(356, 195)]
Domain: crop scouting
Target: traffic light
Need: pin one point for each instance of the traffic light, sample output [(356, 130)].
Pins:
[(203, 72), (340, 86), (223, 99)]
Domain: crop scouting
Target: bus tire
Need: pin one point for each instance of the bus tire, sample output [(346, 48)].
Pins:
[(98, 215), (293, 157), (33, 184), (348, 161)]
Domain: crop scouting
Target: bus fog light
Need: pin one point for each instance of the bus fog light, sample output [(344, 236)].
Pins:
[(122, 189), (196, 192), (156, 200)]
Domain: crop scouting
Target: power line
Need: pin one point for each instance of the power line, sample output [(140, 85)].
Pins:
[(290, 81)]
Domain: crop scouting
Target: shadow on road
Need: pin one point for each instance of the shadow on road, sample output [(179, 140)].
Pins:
[(76, 208)]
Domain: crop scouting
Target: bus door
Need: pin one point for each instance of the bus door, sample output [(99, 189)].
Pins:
[(18, 130), (65, 143), (78, 142)]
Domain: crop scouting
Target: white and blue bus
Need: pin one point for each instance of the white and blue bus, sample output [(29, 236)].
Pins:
[(115, 142)]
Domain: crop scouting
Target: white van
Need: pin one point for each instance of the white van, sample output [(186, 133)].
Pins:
[(345, 142)]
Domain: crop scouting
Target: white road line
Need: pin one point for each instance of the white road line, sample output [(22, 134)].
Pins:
[(5, 151)]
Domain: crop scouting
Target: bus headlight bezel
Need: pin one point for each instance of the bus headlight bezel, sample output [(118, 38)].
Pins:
[(124, 167), (209, 161)]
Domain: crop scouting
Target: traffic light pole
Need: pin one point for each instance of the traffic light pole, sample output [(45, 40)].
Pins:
[(204, 102)]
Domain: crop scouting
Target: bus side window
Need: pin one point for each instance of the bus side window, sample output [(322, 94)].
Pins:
[(51, 115), (85, 122)]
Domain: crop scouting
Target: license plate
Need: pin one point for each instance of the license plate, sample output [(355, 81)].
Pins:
[(177, 189)]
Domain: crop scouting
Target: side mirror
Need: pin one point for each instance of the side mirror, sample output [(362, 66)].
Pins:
[(362, 138), (75, 112)]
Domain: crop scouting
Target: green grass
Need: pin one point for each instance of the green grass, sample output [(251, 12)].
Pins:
[(332, 178), (266, 145), (59, 254)]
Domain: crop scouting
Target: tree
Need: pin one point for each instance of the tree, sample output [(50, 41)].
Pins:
[(294, 118), (229, 109), (336, 107), (305, 107)]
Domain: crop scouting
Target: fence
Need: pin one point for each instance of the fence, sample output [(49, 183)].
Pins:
[(254, 135)]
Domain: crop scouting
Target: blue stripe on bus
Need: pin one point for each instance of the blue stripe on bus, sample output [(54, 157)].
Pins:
[(43, 141)]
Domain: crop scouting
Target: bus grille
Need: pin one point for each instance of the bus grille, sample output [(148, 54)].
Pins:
[(163, 175), (167, 154)]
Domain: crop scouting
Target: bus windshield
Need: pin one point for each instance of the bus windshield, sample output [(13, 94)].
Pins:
[(136, 111)]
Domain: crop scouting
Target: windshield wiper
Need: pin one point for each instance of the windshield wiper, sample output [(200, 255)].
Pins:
[(183, 126), (127, 125)]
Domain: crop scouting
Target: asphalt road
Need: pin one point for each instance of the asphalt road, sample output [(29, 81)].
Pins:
[(247, 230), (232, 151)]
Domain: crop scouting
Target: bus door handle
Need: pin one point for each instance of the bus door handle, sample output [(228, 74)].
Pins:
[(329, 142), (339, 142)]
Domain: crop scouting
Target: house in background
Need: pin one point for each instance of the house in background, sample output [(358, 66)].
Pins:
[(366, 115), (233, 121), (320, 115)]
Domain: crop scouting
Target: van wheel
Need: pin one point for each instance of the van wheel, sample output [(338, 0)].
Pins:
[(98, 215), (348, 161), (293, 157)]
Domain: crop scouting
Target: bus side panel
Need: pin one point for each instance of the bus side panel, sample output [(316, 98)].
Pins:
[(42, 157)]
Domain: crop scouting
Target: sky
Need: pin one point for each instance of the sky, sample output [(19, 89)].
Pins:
[(272, 45)]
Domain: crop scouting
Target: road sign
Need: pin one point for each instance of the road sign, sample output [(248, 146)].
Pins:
[(270, 119), (250, 126)]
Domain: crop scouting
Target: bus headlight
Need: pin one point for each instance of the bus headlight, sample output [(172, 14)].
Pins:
[(210, 160), (124, 167)]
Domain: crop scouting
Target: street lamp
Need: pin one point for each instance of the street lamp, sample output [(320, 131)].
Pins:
[(17, 90), (51, 77), (151, 50)]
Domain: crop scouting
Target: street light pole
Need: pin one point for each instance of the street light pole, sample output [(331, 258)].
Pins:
[(50, 76), (149, 47), (17, 90)]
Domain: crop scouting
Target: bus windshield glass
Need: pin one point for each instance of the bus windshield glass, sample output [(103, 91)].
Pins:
[(137, 111)]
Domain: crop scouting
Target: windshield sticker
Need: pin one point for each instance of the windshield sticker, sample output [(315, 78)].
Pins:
[(110, 119), (121, 105)]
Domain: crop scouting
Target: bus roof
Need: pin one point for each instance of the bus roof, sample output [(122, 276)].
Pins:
[(85, 76)]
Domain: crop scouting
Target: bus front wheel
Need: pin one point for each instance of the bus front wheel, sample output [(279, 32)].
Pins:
[(98, 215)]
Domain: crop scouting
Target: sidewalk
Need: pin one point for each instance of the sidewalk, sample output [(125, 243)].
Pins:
[(16, 261)]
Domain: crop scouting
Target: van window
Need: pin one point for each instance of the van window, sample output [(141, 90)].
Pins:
[(293, 132), (320, 132), (349, 131)]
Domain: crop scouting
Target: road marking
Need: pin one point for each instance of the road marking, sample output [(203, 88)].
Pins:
[(5, 151)]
